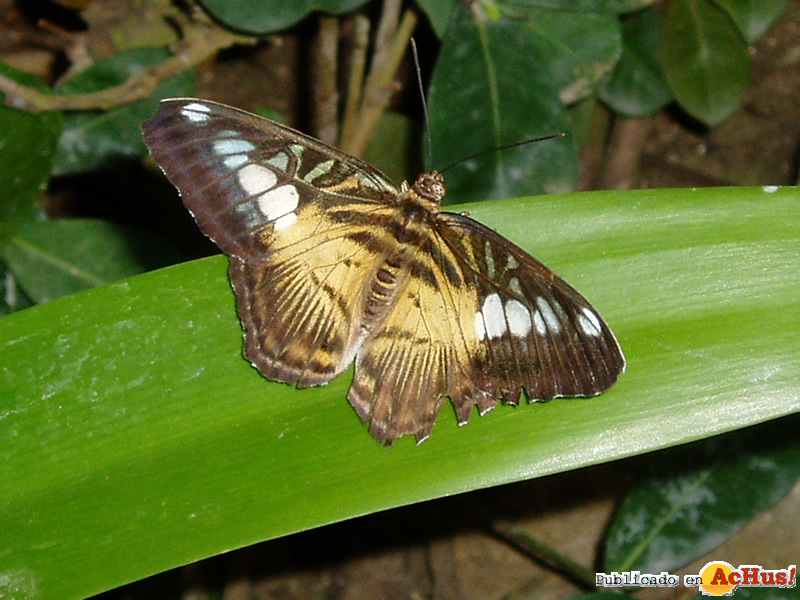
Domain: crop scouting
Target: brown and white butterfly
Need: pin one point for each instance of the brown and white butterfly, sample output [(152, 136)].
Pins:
[(333, 263)]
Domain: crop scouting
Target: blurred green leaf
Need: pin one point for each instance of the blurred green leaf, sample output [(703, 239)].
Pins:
[(395, 147), (438, 12), (27, 146), (268, 16), (12, 298), (572, 51), (706, 62), (637, 86), (99, 139), (753, 18), (598, 6), (50, 259), (700, 496), (133, 428)]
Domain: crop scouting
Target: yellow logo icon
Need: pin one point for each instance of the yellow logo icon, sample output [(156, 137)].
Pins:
[(716, 578)]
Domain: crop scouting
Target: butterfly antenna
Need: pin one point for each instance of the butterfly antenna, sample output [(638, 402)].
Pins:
[(424, 105), (506, 147)]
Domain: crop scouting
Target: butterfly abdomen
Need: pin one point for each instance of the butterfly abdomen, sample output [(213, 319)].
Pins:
[(382, 292)]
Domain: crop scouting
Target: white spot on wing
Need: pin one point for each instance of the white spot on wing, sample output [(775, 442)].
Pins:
[(276, 203), (320, 169), (279, 161), (490, 266), (550, 318), (493, 316), (480, 329), (196, 112), (256, 179), (235, 161), (538, 322), (519, 318), (512, 262), (368, 183), (515, 286), (227, 146), (589, 322), (285, 221)]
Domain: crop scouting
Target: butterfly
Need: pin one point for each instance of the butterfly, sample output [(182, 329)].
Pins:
[(332, 263)]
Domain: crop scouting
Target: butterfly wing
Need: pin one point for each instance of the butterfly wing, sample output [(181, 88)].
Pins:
[(487, 321), (282, 205)]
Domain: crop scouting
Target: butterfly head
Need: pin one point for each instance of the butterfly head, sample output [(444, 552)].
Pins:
[(431, 187)]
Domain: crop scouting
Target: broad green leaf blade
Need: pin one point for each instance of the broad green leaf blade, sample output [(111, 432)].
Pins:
[(706, 62), (50, 259), (753, 18), (267, 16), (99, 139), (637, 86), (486, 74), (685, 511), (132, 427), (27, 146)]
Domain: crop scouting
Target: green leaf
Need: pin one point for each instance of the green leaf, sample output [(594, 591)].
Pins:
[(438, 12), (50, 259), (268, 16), (571, 50), (509, 79), (637, 86), (700, 496), (753, 17), (612, 6), (706, 62), (486, 74), (133, 428), (12, 298), (27, 146), (99, 139)]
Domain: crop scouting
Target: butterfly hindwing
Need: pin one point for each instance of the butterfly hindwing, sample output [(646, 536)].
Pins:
[(551, 340), (493, 321)]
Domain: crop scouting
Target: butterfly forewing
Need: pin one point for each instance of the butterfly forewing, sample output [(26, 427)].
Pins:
[(280, 203), (331, 263), (239, 178)]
